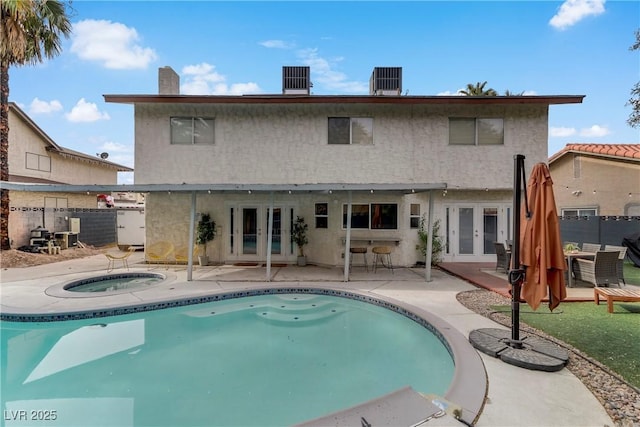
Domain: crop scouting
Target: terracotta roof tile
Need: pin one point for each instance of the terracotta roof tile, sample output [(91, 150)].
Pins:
[(630, 151)]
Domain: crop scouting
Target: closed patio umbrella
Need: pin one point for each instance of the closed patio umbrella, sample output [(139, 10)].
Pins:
[(540, 243), (540, 265)]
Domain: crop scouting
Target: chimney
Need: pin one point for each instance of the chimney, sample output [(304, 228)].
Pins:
[(386, 81), (168, 81), (296, 80)]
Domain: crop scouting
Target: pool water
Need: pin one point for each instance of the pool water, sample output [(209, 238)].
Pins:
[(252, 361), (114, 282)]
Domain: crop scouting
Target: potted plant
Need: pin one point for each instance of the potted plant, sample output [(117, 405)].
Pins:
[(299, 236), (436, 241), (571, 248), (206, 231)]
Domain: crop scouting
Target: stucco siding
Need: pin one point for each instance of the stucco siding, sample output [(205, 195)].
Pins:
[(609, 185), (288, 144), (23, 140)]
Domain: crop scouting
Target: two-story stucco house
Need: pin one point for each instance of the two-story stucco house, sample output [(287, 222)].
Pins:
[(384, 158), (597, 179), (34, 158)]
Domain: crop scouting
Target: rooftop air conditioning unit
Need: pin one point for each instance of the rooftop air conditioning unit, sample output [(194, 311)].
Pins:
[(296, 80), (386, 81)]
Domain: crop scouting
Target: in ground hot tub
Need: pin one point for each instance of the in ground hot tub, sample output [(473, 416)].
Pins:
[(114, 282)]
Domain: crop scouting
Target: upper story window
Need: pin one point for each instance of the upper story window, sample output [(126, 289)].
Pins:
[(192, 130), (476, 131), (351, 130), (378, 216), (38, 162)]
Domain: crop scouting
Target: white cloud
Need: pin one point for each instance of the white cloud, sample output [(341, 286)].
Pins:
[(595, 131), (529, 93), (561, 132), (449, 93), (203, 79), (111, 44), (85, 111), (573, 11), (276, 44), (43, 107), (119, 153), (114, 147), (324, 73)]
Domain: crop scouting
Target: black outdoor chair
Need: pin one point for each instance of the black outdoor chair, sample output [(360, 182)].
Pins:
[(503, 257)]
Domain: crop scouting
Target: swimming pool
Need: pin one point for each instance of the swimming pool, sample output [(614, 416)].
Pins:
[(274, 359)]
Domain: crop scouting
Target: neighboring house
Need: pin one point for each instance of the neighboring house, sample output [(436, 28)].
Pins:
[(597, 179), (388, 156), (34, 158)]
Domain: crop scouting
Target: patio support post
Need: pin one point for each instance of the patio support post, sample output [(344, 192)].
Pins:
[(347, 241), (192, 225), (427, 263), (269, 236)]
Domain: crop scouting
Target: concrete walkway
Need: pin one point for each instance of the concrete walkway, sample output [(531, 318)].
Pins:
[(515, 396)]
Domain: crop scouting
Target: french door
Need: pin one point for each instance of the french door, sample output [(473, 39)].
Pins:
[(249, 227), (472, 230)]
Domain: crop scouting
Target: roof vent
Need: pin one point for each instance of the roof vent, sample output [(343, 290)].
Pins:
[(386, 81), (296, 80)]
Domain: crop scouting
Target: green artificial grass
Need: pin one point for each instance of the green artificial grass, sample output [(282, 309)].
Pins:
[(613, 339), (631, 273)]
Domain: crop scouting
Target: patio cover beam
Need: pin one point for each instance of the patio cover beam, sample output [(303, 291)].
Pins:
[(406, 188)]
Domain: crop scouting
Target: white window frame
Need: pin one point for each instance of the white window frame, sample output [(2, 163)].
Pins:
[(191, 134), (588, 211), (319, 214), (456, 136), (369, 216), (38, 162), (414, 217), (360, 131)]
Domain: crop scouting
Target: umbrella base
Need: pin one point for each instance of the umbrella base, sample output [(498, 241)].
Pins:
[(534, 353)]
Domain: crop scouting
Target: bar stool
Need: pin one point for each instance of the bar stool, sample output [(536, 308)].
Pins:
[(382, 253), (362, 251)]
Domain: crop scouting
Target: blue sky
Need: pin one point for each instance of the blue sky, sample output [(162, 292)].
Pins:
[(576, 47)]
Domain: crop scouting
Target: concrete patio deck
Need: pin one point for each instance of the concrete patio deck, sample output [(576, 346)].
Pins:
[(515, 397)]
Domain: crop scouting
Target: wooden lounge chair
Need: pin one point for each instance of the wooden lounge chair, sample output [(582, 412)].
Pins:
[(621, 257), (611, 295), (113, 257), (591, 247), (503, 257), (602, 271), (159, 252)]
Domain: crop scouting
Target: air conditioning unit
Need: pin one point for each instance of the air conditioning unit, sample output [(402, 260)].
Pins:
[(386, 81), (296, 80), (66, 239)]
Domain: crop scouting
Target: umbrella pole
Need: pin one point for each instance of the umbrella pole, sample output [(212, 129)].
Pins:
[(516, 274)]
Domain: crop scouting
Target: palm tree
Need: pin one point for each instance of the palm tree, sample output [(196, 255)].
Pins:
[(30, 30), (478, 90), (509, 93), (634, 101)]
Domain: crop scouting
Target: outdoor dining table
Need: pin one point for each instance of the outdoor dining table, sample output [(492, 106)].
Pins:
[(570, 256)]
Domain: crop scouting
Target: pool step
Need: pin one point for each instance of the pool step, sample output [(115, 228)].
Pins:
[(288, 309)]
